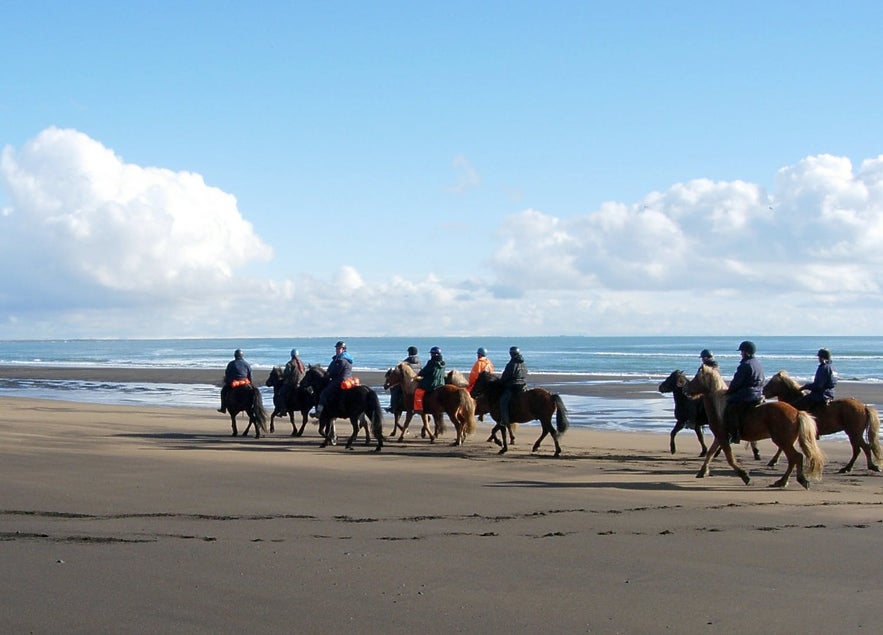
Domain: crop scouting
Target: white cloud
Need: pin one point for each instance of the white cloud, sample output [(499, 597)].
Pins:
[(107, 248), (120, 227)]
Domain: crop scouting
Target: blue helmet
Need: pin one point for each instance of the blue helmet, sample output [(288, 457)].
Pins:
[(481, 352), (294, 352), (435, 351)]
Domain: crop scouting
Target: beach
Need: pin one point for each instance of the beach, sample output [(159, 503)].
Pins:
[(154, 519)]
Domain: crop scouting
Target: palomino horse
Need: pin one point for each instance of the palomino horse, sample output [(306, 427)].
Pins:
[(450, 399), (689, 412), (289, 399), (359, 404), (247, 399), (775, 420), (527, 405), (840, 415)]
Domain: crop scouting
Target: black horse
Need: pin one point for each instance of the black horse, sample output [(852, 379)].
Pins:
[(247, 399), (527, 405), (359, 404), (689, 412), (289, 399)]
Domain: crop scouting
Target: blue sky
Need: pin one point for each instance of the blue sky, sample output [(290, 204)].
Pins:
[(217, 169)]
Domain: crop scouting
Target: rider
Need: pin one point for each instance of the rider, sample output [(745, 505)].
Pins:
[(430, 377), (513, 379), (294, 370), (707, 358), (396, 396), (745, 391), (238, 370), (821, 388), (340, 368), (481, 364)]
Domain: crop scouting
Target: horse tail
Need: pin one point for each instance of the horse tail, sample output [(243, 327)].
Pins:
[(376, 415), (260, 415), (467, 406), (873, 419), (807, 433), (561, 420)]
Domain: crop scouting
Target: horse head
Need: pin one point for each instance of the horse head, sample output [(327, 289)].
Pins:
[(706, 381), (456, 378), (275, 377), (677, 379), (782, 386), (393, 378), (484, 381)]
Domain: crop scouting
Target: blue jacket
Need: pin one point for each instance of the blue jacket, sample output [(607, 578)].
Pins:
[(747, 384), (237, 369), (822, 386), (340, 368)]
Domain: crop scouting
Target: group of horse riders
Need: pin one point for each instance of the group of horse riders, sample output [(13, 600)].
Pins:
[(746, 389), (339, 376)]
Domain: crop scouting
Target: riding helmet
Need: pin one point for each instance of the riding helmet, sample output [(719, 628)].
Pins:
[(748, 347), (513, 351), (824, 353), (340, 344), (237, 354), (435, 351), (294, 352), (481, 352), (412, 350), (705, 353)]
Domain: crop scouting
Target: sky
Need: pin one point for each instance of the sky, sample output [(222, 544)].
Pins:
[(284, 169)]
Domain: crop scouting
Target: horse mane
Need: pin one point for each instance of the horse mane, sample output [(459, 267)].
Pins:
[(710, 377), (457, 378), (788, 380)]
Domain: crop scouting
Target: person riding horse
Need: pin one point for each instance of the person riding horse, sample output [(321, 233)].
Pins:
[(745, 391), (514, 379), (430, 377), (339, 370), (396, 396), (293, 371), (708, 359), (482, 363), (821, 388), (237, 373)]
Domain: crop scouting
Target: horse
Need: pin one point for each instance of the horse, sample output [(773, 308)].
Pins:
[(689, 412), (359, 404), (247, 399), (289, 399), (840, 415), (449, 398), (527, 405), (775, 420)]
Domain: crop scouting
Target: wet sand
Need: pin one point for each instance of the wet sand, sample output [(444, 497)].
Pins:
[(140, 519)]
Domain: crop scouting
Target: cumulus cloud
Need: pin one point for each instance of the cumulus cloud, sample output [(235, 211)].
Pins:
[(117, 228), (106, 248)]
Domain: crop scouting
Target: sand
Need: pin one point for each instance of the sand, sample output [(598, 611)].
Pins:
[(136, 520)]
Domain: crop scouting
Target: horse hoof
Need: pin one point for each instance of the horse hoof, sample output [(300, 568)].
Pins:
[(700, 474), (745, 478), (803, 482), (844, 470), (503, 451), (874, 468)]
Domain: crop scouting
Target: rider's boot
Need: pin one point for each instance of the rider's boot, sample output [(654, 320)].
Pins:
[(315, 415)]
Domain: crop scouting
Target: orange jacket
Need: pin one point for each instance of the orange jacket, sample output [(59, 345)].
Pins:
[(481, 364)]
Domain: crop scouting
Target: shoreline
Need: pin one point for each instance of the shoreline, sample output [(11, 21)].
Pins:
[(605, 386)]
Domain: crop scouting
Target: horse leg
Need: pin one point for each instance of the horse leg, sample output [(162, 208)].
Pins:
[(363, 421), (701, 437), (299, 433), (740, 471), (795, 460), (355, 423), (233, 423), (679, 425), (755, 450), (775, 458), (857, 446)]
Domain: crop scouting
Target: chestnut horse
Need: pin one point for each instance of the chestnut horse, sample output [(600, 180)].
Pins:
[(775, 420), (450, 399), (527, 405), (689, 412), (840, 415), (289, 399), (359, 404)]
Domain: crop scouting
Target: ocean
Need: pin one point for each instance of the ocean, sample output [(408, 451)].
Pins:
[(590, 359)]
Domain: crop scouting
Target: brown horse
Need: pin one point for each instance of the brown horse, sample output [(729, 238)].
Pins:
[(527, 405), (840, 415), (450, 399), (689, 412), (775, 420)]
